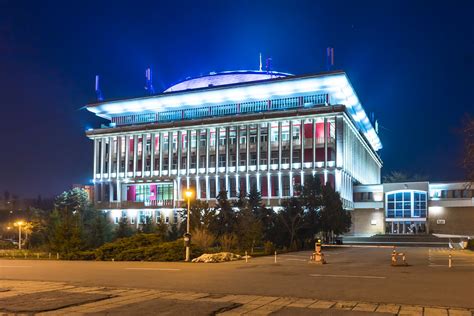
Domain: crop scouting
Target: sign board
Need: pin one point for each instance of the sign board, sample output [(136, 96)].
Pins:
[(440, 221)]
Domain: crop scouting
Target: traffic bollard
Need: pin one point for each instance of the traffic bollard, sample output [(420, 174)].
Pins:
[(275, 256), (49, 256), (450, 261), (246, 257), (57, 255)]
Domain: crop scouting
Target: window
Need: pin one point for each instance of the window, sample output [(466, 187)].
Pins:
[(296, 133), (406, 204)]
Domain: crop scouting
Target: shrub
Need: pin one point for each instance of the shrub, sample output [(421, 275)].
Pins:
[(470, 244), (203, 238), (112, 250), (269, 248), (81, 255), (6, 244), (228, 242), (145, 247)]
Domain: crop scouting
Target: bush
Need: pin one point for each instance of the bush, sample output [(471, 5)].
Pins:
[(112, 250), (470, 244), (269, 248), (6, 244), (145, 247), (81, 255)]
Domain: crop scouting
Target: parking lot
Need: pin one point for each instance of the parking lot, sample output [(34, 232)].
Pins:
[(352, 273)]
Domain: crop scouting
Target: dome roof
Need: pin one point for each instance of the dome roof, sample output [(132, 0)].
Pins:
[(225, 78)]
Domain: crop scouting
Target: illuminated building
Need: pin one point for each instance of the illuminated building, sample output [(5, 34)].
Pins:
[(414, 208), (231, 131)]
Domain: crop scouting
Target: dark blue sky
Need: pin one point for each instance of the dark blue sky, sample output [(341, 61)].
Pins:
[(411, 62)]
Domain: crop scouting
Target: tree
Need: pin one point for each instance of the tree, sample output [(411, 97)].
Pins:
[(399, 176), (248, 226), (334, 219), (225, 215), (468, 162), (162, 229), (292, 218), (147, 227), (123, 229), (311, 199)]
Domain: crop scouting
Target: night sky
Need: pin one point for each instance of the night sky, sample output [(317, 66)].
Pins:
[(411, 62)]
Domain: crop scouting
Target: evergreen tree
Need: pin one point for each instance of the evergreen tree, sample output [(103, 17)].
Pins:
[(310, 196), (292, 219), (123, 229), (334, 219), (147, 226), (225, 215)]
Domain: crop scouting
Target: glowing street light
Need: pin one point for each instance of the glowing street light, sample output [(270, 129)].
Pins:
[(19, 224), (187, 237)]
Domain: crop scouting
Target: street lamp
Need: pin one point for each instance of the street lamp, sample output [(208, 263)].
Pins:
[(19, 224), (187, 238)]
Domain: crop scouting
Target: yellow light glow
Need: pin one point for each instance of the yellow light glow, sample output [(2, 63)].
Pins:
[(188, 194), (19, 223)]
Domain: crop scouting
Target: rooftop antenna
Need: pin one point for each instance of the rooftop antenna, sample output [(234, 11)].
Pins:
[(269, 65), (329, 58), (148, 83), (260, 69), (98, 93)]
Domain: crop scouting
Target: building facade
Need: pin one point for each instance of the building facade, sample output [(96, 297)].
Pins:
[(414, 208), (231, 131)]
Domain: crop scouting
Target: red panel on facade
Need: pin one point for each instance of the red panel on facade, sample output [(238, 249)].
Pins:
[(153, 192), (131, 191), (308, 128), (274, 185), (319, 154), (264, 186), (319, 130), (308, 155), (131, 145)]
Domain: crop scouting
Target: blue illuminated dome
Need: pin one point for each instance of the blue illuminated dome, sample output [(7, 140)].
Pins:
[(225, 78)]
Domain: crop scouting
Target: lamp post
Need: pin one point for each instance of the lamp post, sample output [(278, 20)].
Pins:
[(19, 224), (189, 195)]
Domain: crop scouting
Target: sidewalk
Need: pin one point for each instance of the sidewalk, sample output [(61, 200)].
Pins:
[(55, 298)]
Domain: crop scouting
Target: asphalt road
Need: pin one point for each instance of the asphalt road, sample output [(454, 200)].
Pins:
[(354, 274)]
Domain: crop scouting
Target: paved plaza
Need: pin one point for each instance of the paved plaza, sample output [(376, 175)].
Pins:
[(355, 281)]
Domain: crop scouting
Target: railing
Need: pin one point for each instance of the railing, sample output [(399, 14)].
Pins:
[(223, 110), (133, 204)]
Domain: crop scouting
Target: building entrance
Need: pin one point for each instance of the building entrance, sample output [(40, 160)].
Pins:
[(405, 227)]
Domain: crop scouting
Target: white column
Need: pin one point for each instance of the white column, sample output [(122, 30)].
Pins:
[(258, 151), (170, 152), (144, 154), (302, 145), (188, 153), (152, 154), (160, 153), (269, 145), (180, 152), (118, 146), (208, 148), (102, 157), (291, 151), (135, 153), (313, 131), (279, 145), (127, 158), (109, 170), (198, 153), (96, 150)]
